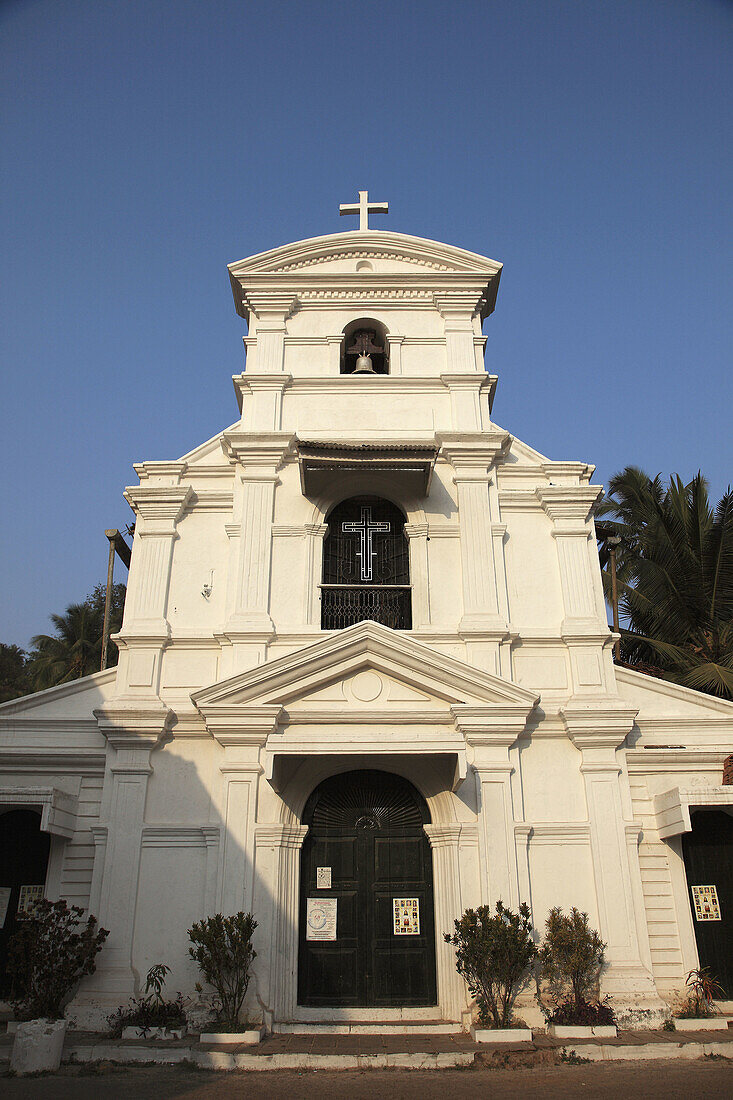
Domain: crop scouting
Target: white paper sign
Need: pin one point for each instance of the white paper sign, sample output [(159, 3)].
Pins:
[(4, 903), (705, 900), (406, 916), (323, 878), (321, 919)]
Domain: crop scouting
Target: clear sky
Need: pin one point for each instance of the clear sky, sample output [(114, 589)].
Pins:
[(145, 144)]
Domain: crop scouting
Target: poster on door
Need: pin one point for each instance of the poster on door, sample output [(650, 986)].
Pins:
[(29, 895), (320, 919), (705, 901), (406, 916)]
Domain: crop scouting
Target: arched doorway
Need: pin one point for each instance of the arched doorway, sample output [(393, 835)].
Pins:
[(366, 856), (23, 863)]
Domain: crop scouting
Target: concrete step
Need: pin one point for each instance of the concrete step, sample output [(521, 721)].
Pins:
[(369, 1027)]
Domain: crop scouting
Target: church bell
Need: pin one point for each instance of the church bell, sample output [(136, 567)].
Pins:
[(364, 365)]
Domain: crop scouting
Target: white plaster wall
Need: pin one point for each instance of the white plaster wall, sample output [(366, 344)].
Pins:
[(552, 784), (184, 783), (533, 580), (561, 873), (170, 898)]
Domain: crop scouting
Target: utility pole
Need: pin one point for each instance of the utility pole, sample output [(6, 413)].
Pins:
[(612, 542), (117, 545)]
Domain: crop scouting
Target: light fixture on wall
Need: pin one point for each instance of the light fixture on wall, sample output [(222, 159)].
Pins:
[(208, 586)]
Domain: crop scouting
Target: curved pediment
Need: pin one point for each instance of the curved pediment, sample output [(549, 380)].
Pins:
[(365, 253)]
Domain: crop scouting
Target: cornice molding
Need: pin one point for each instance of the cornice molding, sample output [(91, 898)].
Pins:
[(158, 503)]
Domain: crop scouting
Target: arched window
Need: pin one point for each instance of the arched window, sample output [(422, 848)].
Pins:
[(364, 348), (366, 568)]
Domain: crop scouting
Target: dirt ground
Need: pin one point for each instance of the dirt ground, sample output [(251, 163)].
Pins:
[(657, 1080)]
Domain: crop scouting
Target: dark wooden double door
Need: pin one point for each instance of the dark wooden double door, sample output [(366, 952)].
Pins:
[(366, 832), (708, 854)]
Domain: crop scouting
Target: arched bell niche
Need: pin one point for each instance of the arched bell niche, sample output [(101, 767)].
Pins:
[(362, 339)]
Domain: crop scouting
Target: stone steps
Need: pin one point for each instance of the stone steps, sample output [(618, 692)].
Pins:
[(424, 1028)]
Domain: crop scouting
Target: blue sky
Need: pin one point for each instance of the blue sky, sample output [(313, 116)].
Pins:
[(146, 144)]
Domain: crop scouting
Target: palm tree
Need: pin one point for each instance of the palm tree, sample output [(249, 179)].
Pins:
[(76, 648), (675, 577)]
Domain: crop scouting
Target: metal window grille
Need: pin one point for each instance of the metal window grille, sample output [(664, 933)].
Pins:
[(346, 598)]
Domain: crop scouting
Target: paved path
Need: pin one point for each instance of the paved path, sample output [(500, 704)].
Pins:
[(668, 1080)]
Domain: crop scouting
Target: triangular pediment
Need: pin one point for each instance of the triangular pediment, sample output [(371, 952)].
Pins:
[(370, 251), (362, 666)]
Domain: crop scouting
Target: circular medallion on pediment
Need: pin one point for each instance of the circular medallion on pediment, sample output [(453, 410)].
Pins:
[(366, 687)]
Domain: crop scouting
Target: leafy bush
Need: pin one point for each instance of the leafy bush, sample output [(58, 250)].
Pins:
[(49, 954), (152, 1010), (571, 960), (582, 1013), (494, 953), (703, 987), (222, 947)]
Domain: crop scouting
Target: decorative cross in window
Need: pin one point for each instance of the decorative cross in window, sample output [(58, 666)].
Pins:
[(363, 208), (365, 528)]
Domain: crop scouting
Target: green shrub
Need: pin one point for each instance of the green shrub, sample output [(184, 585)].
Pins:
[(152, 1010), (222, 947), (49, 954), (494, 953), (703, 988), (571, 959)]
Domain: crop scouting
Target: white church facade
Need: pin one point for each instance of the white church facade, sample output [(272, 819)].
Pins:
[(366, 680)]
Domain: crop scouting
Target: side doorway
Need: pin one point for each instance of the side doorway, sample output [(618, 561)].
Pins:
[(24, 851), (708, 855), (367, 927)]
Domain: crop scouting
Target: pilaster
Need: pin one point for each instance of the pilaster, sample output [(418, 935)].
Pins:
[(417, 534), (482, 625), (146, 629), (248, 627), (315, 533), (458, 308), (260, 399), (278, 849), (490, 733), (444, 842), (242, 733), (133, 734), (269, 310), (598, 732), (394, 344), (584, 630)]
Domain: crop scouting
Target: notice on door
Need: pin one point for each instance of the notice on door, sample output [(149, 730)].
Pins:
[(406, 916), (323, 878), (321, 919), (705, 901)]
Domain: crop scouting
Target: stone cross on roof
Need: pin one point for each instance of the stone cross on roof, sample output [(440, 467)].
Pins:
[(363, 208)]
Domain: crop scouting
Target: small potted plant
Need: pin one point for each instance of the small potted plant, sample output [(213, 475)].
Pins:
[(49, 954), (222, 948), (697, 1012), (571, 960), (495, 953), (150, 1016)]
